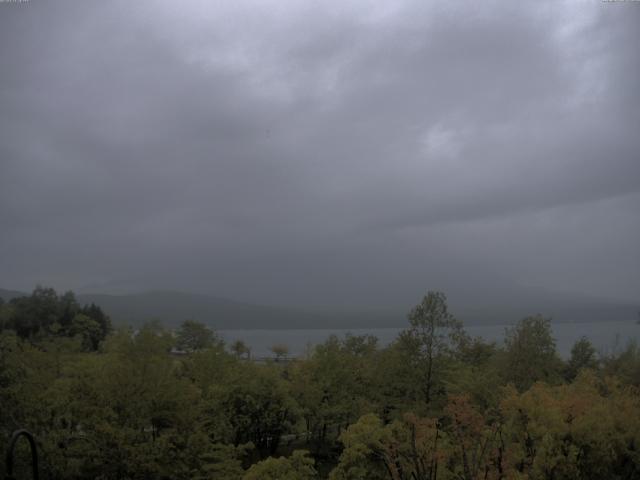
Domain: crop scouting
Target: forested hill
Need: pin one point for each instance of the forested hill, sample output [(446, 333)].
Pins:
[(171, 308)]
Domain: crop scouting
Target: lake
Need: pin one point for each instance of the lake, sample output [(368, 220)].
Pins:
[(607, 337)]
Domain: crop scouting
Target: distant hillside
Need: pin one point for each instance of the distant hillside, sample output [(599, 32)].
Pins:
[(558, 312), (171, 308), (7, 295)]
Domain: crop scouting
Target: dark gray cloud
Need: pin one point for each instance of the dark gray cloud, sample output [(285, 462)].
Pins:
[(338, 153)]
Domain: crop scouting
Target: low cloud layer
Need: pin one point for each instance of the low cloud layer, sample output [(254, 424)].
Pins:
[(321, 153)]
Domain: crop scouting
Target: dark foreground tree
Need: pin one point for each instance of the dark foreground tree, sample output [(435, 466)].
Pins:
[(434, 336)]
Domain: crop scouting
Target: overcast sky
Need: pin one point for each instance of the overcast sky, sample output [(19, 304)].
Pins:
[(321, 152)]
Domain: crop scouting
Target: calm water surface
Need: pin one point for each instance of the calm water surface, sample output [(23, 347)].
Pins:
[(608, 337)]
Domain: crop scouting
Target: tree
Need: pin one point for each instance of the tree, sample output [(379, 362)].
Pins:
[(223, 462), (87, 329), (194, 336), (333, 388), (6, 316), (258, 406), (68, 308), (360, 345), (102, 319), (397, 383), (239, 349), (583, 355), (434, 335), (625, 365), (409, 449), (365, 454), (530, 353), (35, 314), (475, 448), (45, 314), (297, 467), (589, 429), (478, 373)]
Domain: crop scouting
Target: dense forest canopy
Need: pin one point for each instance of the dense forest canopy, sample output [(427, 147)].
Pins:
[(46, 314), (155, 403)]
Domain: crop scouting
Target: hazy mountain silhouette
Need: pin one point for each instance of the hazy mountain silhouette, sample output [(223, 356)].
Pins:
[(7, 295), (171, 308)]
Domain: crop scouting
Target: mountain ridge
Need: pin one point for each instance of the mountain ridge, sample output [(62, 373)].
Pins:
[(172, 307)]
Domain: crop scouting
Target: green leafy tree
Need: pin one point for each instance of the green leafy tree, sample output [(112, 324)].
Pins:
[(299, 466), (365, 455), (478, 373), (334, 387), (397, 384), (68, 308), (530, 353), (45, 314), (258, 406), (6, 316), (410, 449), (625, 365), (434, 336), (100, 317), (360, 345), (87, 329), (35, 314), (193, 336), (583, 355), (223, 462), (240, 349)]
